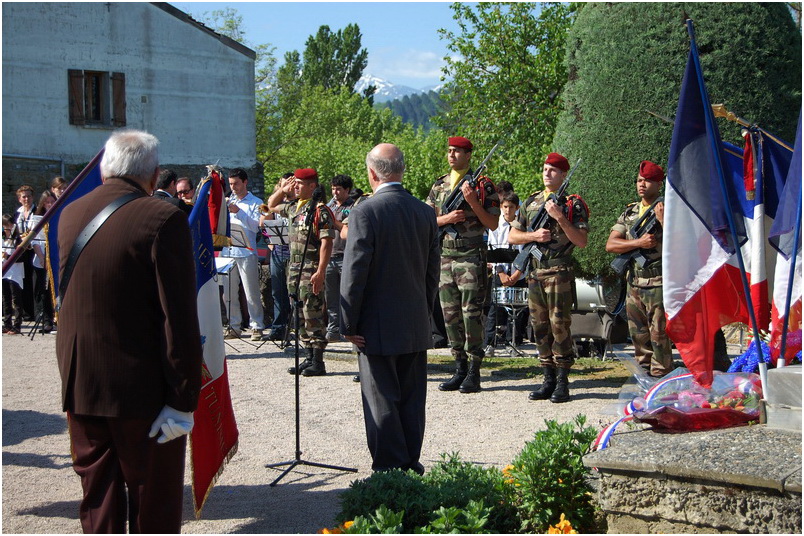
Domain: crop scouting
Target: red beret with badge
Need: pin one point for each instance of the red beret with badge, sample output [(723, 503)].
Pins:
[(460, 142), (305, 174), (650, 171), (557, 160)]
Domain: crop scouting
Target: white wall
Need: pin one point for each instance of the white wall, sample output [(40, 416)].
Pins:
[(199, 92)]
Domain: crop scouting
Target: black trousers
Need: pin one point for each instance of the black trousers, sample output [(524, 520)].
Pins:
[(394, 390)]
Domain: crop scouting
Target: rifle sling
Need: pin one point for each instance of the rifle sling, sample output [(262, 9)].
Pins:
[(85, 236)]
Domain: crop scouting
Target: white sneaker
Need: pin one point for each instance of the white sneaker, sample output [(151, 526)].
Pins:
[(489, 351), (256, 334), (231, 333)]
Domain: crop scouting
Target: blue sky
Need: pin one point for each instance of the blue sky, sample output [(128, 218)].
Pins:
[(401, 37)]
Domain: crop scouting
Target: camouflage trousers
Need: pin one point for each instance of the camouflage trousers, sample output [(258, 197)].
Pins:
[(312, 331), (644, 308), (462, 291), (550, 304)]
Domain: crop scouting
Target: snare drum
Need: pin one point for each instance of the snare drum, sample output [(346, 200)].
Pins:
[(511, 296)]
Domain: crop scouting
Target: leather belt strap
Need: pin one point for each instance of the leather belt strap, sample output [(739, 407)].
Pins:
[(85, 236)]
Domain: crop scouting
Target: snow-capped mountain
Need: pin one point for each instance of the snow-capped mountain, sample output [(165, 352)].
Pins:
[(388, 91)]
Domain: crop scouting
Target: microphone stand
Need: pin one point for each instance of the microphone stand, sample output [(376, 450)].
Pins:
[(297, 304)]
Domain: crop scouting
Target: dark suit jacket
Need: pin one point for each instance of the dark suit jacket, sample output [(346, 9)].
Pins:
[(164, 196), (390, 273), (128, 340)]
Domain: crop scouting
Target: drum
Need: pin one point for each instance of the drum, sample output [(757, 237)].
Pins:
[(511, 296), (607, 294)]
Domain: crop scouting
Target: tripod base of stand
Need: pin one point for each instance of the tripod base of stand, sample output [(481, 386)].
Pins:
[(292, 465)]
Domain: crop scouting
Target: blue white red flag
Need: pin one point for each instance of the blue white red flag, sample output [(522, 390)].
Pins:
[(214, 438), (91, 180), (702, 290), (787, 242)]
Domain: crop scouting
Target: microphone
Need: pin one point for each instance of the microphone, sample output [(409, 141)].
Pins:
[(318, 196)]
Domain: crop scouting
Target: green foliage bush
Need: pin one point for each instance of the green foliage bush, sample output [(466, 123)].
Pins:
[(624, 77), (545, 480), (550, 478), (438, 496)]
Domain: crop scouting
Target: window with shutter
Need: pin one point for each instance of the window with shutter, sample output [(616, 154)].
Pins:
[(97, 98)]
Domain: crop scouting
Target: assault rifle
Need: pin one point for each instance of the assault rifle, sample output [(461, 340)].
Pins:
[(541, 221), (646, 224), (455, 199)]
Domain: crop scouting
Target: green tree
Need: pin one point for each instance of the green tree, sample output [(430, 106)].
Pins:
[(624, 81), (506, 70)]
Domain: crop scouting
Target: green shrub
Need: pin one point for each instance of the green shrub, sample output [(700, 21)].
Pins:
[(549, 478), (453, 496)]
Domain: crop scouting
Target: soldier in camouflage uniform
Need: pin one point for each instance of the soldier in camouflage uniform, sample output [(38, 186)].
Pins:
[(311, 288), (463, 280), (644, 304), (551, 279)]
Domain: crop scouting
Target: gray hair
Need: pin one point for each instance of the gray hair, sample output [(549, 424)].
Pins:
[(130, 153), (389, 168)]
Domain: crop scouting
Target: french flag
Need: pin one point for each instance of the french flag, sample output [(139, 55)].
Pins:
[(703, 290), (785, 237), (214, 437)]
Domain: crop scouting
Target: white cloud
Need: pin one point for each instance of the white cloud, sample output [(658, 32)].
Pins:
[(394, 65)]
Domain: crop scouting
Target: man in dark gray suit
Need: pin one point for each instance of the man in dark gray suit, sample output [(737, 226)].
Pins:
[(388, 287)]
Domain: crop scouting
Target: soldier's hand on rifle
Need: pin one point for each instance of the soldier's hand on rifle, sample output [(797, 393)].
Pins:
[(554, 210), (469, 194), (542, 235), (659, 211), (456, 216), (646, 241)]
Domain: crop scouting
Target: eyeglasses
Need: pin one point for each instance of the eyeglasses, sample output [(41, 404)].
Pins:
[(183, 192)]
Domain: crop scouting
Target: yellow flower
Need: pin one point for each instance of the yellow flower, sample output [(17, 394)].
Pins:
[(562, 527), (330, 531), (348, 524)]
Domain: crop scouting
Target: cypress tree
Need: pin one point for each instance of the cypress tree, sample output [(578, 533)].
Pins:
[(625, 62)]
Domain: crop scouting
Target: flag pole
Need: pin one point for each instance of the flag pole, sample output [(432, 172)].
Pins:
[(780, 362), (709, 118), (51, 211)]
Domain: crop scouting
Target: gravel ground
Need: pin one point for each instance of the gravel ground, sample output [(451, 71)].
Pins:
[(41, 492)]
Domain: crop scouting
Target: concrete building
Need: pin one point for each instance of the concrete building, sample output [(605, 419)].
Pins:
[(74, 72)]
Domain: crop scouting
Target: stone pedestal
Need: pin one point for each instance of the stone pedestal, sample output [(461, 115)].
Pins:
[(745, 479)]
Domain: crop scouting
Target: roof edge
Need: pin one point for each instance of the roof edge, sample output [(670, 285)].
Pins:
[(184, 17)]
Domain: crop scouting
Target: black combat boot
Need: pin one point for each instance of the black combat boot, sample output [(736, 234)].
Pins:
[(548, 385), (561, 393), (471, 384), (304, 364), (454, 383), (317, 368)]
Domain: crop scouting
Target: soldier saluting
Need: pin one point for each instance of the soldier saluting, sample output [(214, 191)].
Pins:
[(305, 211), (637, 238), (463, 277), (551, 277)]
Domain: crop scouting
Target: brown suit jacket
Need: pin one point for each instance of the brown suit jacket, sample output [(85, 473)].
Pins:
[(128, 340)]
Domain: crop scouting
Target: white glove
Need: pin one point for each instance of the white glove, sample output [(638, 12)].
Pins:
[(173, 423)]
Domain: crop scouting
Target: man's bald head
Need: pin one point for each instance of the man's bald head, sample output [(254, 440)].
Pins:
[(387, 162)]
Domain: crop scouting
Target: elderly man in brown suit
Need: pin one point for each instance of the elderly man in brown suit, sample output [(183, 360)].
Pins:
[(128, 345)]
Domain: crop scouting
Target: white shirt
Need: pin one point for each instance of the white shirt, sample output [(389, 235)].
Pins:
[(246, 221), (498, 238)]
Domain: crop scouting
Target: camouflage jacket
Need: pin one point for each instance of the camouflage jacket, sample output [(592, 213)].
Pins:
[(297, 230), (471, 230), (560, 247), (651, 274)]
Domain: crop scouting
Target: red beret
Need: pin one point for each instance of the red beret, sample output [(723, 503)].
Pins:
[(556, 160), (306, 173), (460, 141), (651, 171)]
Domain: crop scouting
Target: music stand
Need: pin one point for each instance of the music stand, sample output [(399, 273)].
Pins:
[(223, 266), (297, 304)]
